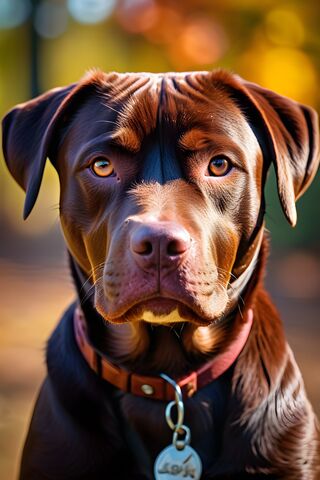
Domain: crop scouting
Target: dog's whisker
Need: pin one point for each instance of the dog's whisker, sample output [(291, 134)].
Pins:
[(242, 300), (88, 279), (107, 121), (181, 328), (96, 270), (235, 291), (110, 108), (88, 293), (173, 329), (91, 288), (222, 270), (240, 312)]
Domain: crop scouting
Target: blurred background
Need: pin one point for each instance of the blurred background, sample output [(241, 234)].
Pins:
[(48, 43)]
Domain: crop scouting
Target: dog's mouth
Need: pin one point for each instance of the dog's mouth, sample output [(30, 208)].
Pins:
[(160, 311), (174, 297)]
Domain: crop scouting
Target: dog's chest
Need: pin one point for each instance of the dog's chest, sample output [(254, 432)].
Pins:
[(147, 432)]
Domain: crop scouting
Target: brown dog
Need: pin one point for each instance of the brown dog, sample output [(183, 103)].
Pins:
[(162, 208)]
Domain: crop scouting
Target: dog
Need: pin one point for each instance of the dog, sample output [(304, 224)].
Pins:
[(162, 208)]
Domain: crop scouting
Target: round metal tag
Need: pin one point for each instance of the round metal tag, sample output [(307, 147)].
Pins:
[(174, 464)]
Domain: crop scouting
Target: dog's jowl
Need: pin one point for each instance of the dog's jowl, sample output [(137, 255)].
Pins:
[(162, 208)]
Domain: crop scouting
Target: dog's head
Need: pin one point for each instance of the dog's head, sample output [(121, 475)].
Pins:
[(162, 181)]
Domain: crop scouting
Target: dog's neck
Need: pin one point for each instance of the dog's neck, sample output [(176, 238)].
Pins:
[(145, 348)]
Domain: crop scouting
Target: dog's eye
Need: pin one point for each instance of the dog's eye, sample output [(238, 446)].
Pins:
[(219, 166), (102, 167)]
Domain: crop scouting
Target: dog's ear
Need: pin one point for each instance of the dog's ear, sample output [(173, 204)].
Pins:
[(288, 133), (29, 133), (26, 134)]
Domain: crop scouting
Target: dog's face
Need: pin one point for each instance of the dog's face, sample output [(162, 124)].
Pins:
[(162, 182), (155, 200)]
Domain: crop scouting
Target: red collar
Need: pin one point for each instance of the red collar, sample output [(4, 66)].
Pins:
[(156, 387)]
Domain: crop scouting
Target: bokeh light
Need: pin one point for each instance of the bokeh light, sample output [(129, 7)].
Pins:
[(138, 16), (287, 71), (298, 76), (201, 42), (14, 12), (284, 27), (51, 19), (91, 11), (170, 21)]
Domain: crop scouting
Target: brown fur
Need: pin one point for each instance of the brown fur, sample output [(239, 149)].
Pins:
[(160, 131)]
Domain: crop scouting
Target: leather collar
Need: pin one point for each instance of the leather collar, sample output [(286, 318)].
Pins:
[(154, 386)]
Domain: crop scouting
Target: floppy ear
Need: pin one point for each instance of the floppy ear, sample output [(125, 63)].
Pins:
[(289, 137), (29, 132), (26, 134)]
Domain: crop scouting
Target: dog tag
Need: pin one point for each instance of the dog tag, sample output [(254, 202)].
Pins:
[(174, 464)]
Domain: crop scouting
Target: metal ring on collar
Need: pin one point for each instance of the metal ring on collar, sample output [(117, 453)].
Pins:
[(180, 444), (176, 387), (180, 408)]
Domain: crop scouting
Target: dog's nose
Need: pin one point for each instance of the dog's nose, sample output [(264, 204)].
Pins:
[(159, 244)]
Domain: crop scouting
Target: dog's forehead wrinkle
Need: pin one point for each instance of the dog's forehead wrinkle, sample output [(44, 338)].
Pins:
[(127, 138), (139, 113), (125, 85), (142, 118)]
